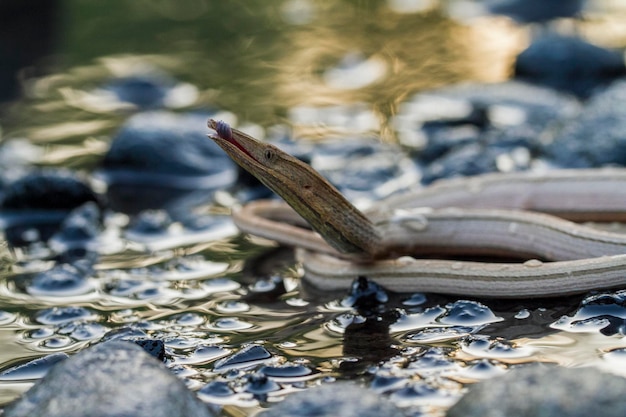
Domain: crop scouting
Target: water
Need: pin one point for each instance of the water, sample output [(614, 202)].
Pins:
[(236, 325)]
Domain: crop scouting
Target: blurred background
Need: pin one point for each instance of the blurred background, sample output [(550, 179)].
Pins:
[(268, 61)]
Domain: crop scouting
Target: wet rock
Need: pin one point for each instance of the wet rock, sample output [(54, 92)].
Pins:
[(569, 64), (539, 390), (164, 160), (338, 399), (47, 190), (33, 207), (34, 369), (167, 150), (154, 347), (535, 11), (596, 138), (247, 357), (471, 129), (365, 296), (109, 379)]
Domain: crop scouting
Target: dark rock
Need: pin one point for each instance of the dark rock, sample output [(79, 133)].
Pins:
[(33, 207), (535, 11), (337, 399), (540, 390), (167, 150), (367, 297), (109, 379), (47, 190), (568, 64)]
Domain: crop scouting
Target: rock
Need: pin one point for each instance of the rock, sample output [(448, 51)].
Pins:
[(110, 379), (596, 138), (535, 11), (337, 399), (33, 207), (568, 64), (471, 129), (163, 160), (167, 150), (47, 190), (540, 390)]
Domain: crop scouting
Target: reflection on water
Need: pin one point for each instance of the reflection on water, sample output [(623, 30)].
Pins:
[(236, 324)]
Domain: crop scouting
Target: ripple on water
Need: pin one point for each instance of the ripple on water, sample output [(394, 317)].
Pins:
[(228, 324), (63, 315), (83, 331), (468, 313), (61, 281), (34, 369), (259, 384), (202, 355), (484, 347), (604, 313), (287, 372)]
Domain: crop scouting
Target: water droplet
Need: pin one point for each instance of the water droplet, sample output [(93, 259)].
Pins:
[(414, 220), (457, 266), (533, 263)]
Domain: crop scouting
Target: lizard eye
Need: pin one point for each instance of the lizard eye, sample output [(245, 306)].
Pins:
[(268, 154)]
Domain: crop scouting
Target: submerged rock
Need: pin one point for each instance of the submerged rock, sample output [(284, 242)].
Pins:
[(545, 391), (109, 379), (569, 64), (338, 399)]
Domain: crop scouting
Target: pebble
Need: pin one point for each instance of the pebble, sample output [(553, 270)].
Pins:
[(106, 380), (540, 390)]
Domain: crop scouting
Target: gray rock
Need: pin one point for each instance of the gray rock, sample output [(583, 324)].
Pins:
[(337, 399), (596, 138), (109, 379), (545, 391)]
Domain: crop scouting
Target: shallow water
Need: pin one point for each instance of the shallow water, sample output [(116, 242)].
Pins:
[(237, 326)]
